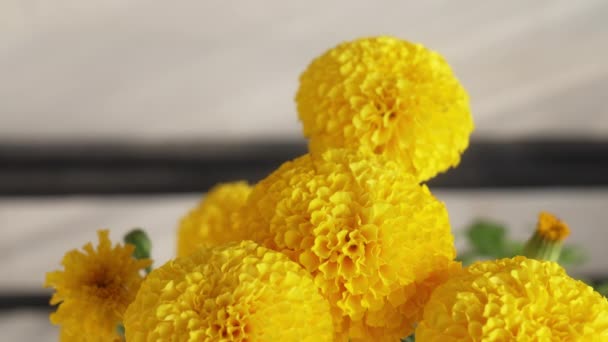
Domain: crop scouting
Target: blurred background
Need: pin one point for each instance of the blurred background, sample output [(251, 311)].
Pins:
[(122, 113)]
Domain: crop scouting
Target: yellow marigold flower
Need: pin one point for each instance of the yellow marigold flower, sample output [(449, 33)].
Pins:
[(212, 221), (515, 299), (546, 242), (387, 96), (552, 228), (94, 290), (374, 240), (234, 292)]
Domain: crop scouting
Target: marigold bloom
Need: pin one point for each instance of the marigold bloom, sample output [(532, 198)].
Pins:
[(552, 228), (374, 240), (387, 96), (212, 221), (515, 299), (94, 290), (234, 292), (546, 242)]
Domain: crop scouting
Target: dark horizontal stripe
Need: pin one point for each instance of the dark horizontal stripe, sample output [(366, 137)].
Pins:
[(37, 301), (116, 168)]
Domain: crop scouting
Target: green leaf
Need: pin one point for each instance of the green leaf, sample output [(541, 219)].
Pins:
[(487, 238), (410, 338), (572, 256), (120, 329), (602, 289), (468, 258), (142, 243), (513, 248)]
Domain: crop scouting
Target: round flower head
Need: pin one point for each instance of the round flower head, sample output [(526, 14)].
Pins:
[(211, 223), (387, 96), (374, 240), (234, 292), (515, 299), (94, 290)]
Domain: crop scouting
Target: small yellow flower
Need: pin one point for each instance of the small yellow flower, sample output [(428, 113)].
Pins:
[(212, 222), (94, 289), (515, 299), (386, 96), (546, 242), (552, 228), (234, 292), (375, 241)]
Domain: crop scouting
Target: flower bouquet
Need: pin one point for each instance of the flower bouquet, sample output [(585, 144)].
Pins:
[(345, 243)]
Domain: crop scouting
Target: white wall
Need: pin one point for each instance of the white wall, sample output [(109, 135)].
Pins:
[(175, 70)]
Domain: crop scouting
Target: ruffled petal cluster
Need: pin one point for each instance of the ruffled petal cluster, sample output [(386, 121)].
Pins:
[(374, 240), (515, 299), (212, 222), (235, 292), (386, 96), (94, 290)]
